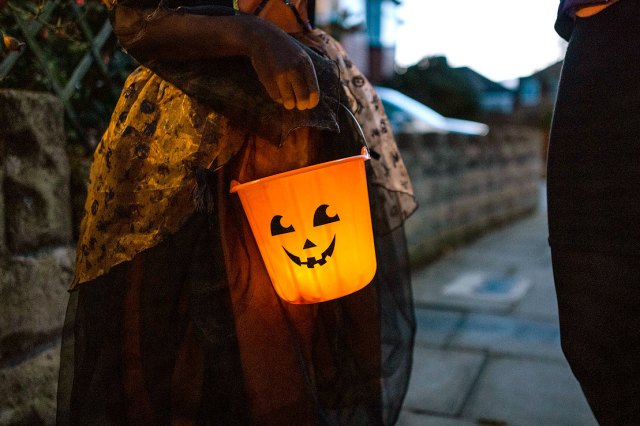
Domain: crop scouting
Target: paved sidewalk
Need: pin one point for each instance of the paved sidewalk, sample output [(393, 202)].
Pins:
[(488, 344)]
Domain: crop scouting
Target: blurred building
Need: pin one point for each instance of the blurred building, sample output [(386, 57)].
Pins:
[(540, 88), (366, 29), (494, 97)]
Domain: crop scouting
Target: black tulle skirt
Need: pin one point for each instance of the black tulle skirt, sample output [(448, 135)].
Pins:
[(192, 332)]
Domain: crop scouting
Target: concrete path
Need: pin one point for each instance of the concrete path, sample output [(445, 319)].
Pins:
[(488, 345)]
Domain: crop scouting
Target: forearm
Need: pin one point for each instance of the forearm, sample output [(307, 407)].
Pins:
[(189, 37), (283, 67)]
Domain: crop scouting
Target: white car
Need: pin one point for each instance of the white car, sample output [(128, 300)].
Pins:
[(407, 115)]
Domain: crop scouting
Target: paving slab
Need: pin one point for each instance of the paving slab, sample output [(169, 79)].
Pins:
[(540, 303), (441, 380), (482, 286), (428, 281), (524, 393), (435, 327), (496, 290), (416, 419), (506, 335), (517, 253), (510, 250)]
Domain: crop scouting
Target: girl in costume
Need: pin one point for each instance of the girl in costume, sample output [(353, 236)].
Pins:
[(172, 318)]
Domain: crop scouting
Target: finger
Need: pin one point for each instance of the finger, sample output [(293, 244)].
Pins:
[(301, 90), (286, 91), (314, 99), (273, 90), (314, 90), (306, 89)]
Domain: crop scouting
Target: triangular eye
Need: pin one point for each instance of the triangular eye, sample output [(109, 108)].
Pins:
[(277, 228), (320, 217)]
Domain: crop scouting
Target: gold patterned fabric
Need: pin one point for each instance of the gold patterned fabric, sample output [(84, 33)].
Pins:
[(142, 177)]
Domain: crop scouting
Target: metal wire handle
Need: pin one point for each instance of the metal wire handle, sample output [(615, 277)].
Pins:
[(358, 126)]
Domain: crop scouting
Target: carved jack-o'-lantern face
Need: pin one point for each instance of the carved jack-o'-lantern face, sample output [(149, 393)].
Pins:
[(313, 257)]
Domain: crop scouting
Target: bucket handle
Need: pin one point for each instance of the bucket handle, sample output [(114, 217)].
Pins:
[(365, 145)]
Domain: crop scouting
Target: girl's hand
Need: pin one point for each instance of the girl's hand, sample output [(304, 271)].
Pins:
[(285, 70)]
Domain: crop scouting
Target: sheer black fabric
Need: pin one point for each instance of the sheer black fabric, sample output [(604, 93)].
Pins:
[(192, 332)]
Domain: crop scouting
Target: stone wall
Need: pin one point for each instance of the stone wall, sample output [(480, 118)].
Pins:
[(36, 253), (468, 184)]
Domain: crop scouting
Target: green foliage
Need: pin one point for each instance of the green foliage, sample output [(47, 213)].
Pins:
[(64, 44), (435, 84)]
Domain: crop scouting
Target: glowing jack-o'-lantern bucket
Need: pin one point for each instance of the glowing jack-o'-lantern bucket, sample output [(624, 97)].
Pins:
[(313, 228)]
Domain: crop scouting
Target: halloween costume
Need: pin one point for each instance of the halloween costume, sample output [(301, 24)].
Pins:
[(594, 206), (172, 317)]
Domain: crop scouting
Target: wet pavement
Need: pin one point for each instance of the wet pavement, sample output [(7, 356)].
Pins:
[(488, 345)]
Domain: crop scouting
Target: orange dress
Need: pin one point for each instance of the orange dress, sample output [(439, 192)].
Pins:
[(173, 317)]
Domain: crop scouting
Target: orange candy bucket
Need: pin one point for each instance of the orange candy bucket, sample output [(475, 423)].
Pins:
[(313, 228)]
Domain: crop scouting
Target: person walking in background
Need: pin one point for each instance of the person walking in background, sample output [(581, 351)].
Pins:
[(172, 318), (594, 203)]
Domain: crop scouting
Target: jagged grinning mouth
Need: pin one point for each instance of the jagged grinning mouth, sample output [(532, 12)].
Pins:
[(311, 261)]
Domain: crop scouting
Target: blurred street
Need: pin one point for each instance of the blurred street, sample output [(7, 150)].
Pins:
[(488, 345)]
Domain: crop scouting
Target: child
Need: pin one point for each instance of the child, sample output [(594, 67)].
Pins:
[(172, 317)]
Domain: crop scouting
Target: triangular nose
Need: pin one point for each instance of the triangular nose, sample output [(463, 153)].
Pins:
[(308, 244)]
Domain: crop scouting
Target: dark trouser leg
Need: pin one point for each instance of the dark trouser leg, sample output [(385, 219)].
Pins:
[(599, 305)]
